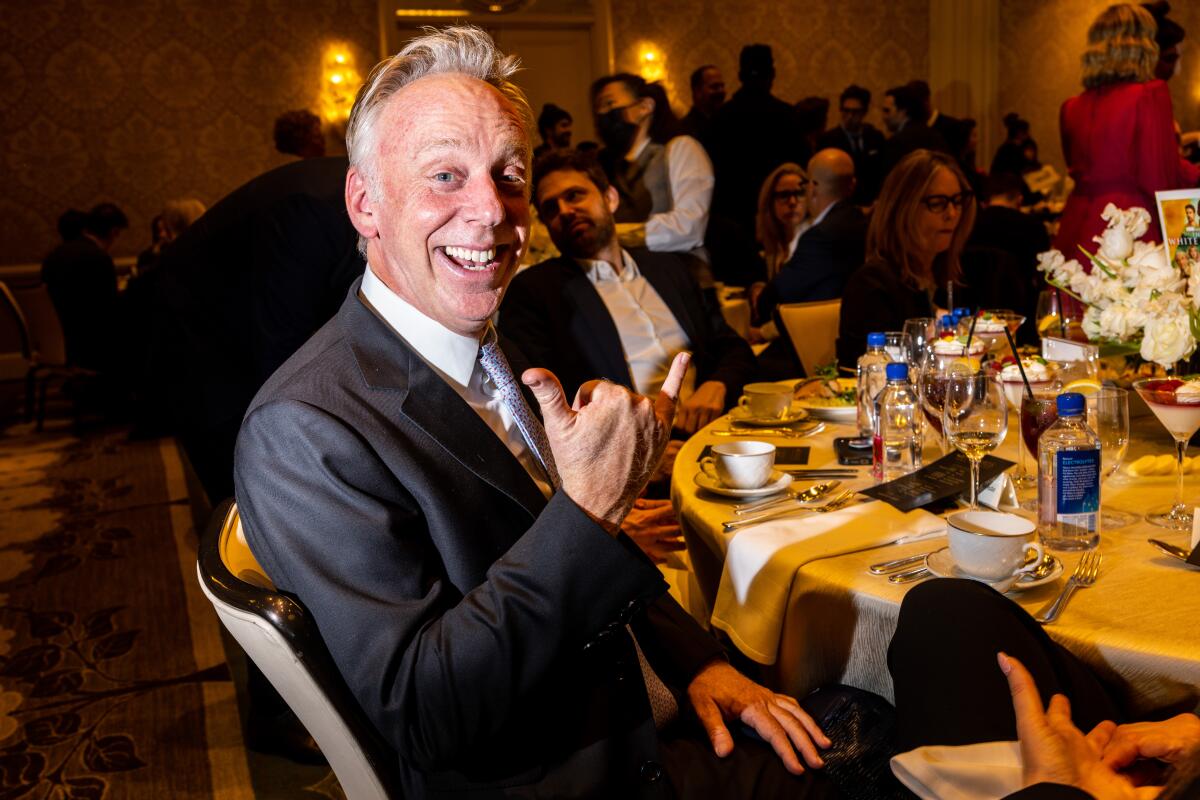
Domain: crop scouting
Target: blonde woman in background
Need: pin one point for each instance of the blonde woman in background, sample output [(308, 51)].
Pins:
[(782, 217)]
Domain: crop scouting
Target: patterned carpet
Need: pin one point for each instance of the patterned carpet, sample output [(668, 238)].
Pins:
[(114, 681)]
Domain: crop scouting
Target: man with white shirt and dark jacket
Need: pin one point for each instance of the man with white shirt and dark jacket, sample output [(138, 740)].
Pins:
[(602, 311)]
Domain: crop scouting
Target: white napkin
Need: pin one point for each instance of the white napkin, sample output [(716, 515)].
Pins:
[(1195, 527), (762, 560), (971, 772)]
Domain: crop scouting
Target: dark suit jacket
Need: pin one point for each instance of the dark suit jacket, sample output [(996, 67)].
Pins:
[(825, 257), (913, 136), (239, 292), (556, 317), (867, 159), (480, 626), (82, 284)]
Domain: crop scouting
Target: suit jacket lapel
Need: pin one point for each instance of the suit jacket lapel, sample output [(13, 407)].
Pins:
[(593, 328), (388, 364)]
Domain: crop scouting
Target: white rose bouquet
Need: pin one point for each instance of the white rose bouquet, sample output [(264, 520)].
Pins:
[(1136, 298)]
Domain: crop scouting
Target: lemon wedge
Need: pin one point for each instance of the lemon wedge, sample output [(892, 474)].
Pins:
[(1141, 467), (1084, 386), (1047, 322), (963, 366)]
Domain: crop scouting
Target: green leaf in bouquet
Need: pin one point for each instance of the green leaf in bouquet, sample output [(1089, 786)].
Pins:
[(1097, 263)]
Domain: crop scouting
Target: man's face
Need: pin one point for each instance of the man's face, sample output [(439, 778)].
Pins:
[(710, 95), (892, 116), (1191, 215), (853, 112), (448, 217), (578, 215), (560, 134)]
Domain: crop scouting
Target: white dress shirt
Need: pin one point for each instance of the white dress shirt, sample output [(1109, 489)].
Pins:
[(650, 334), (455, 358), (690, 174)]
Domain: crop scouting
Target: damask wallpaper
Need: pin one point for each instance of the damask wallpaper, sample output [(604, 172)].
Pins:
[(1040, 46), (819, 48), (139, 101)]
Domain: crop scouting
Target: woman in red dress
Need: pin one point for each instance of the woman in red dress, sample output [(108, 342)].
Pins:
[(1118, 136)]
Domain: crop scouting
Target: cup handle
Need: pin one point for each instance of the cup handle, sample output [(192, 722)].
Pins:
[(709, 468), (744, 402), (1037, 548)]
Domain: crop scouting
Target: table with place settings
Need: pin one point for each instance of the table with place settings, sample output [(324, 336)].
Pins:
[(795, 595)]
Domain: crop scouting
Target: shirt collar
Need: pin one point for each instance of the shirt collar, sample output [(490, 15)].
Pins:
[(602, 271), (453, 355)]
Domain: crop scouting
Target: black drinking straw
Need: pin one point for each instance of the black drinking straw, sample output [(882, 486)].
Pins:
[(971, 333), (1013, 344), (1062, 320)]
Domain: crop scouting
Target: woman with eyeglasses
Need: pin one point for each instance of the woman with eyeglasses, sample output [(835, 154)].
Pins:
[(1118, 135), (920, 223)]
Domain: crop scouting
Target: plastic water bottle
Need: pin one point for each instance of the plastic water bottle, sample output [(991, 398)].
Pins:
[(1069, 479), (871, 380), (898, 443)]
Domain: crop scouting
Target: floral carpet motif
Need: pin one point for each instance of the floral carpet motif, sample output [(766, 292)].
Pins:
[(111, 685)]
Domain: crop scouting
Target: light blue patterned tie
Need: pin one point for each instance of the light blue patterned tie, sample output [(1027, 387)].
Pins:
[(492, 359)]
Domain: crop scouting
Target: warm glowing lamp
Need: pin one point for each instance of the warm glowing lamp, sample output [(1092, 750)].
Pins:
[(339, 82), (651, 62)]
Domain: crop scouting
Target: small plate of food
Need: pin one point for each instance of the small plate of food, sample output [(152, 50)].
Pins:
[(829, 399)]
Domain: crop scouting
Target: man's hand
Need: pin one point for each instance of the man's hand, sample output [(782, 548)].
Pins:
[(1053, 750), (608, 444), (1167, 741), (653, 527), (719, 693), (706, 404)]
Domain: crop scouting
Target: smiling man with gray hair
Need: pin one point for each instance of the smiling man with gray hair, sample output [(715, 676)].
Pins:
[(465, 563)]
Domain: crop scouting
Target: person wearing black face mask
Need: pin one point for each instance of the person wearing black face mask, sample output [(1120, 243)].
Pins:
[(664, 180)]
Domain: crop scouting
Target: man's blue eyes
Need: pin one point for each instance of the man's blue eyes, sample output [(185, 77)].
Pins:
[(444, 177)]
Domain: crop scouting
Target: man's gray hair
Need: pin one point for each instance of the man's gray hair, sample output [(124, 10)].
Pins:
[(462, 49)]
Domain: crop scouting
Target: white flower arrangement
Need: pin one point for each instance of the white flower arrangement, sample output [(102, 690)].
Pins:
[(1135, 296)]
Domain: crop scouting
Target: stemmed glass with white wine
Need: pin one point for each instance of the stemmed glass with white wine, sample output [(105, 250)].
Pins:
[(974, 419)]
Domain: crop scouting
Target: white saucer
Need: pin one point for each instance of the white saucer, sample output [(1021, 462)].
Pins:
[(842, 414), (942, 565), (741, 415), (778, 482)]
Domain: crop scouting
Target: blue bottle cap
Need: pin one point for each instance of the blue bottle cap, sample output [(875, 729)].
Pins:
[(876, 340), (962, 312), (947, 321), (1070, 404), (897, 371)]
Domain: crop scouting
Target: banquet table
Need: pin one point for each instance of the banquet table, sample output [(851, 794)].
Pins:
[(796, 595)]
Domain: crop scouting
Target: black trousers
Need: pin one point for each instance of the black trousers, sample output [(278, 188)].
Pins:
[(949, 689)]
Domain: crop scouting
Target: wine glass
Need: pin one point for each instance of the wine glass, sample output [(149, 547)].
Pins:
[(1108, 416), (974, 419), (897, 344), (921, 331), (931, 389), (1015, 393), (1181, 419)]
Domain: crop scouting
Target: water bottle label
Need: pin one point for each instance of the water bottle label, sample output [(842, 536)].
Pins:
[(1078, 482)]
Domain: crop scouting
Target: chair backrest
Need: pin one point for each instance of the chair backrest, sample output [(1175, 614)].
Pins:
[(45, 328), (281, 637), (813, 329), (16, 354)]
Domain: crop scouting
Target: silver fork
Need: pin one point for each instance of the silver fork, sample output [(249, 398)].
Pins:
[(840, 501), (1084, 575)]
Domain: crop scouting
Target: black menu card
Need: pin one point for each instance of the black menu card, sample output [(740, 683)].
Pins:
[(947, 477)]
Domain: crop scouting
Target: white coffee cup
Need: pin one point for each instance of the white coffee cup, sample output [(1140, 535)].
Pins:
[(766, 400), (740, 465), (991, 544)]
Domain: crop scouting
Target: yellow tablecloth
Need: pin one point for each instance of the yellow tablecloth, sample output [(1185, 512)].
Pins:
[(1138, 623)]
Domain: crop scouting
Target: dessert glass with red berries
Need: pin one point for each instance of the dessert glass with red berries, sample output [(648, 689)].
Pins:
[(1176, 403)]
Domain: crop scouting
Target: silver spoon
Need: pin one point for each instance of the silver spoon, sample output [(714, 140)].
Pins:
[(807, 496), (1170, 549)]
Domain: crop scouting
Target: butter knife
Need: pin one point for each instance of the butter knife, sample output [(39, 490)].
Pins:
[(1170, 549)]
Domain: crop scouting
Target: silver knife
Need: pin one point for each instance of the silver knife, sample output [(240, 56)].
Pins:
[(887, 567)]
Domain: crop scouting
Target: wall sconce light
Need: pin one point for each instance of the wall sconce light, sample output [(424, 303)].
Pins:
[(339, 82), (652, 64)]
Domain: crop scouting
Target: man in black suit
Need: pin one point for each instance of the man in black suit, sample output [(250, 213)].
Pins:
[(82, 283), (236, 294), (825, 256), (708, 95), (862, 140), (933, 118), (465, 564), (904, 115), (601, 311), (752, 134)]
